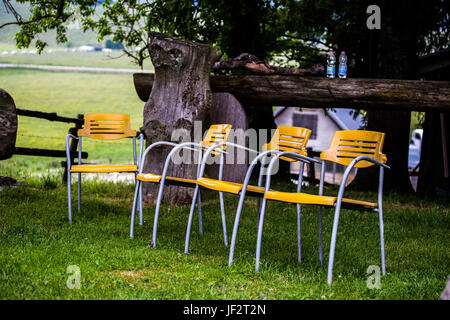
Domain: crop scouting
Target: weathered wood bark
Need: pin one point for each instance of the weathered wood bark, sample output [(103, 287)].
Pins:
[(227, 109), (378, 94), (8, 125), (181, 95), (251, 63)]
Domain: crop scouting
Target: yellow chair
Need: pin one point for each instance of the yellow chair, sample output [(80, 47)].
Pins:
[(290, 140), (101, 126), (353, 149), (217, 133)]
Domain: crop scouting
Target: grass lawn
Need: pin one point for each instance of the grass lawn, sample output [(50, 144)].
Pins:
[(38, 245)]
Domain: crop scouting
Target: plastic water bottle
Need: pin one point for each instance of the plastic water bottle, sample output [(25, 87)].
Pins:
[(331, 64), (342, 65)]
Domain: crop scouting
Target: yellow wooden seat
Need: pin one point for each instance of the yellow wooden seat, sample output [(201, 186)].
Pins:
[(105, 127), (227, 186), (305, 198), (156, 178), (104, 168)]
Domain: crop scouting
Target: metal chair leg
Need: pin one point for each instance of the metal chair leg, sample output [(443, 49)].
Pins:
[(224, 222), (299, 232), (235, 228), (158, 207), (383, 261), (260, 231), (191, 216), (333, 244), (299, 213), (319, 218), (135, 199), (69, 195), (199, 208), (79, 192), (141, 211)]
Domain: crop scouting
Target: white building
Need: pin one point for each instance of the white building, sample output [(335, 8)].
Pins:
[(323, 123)]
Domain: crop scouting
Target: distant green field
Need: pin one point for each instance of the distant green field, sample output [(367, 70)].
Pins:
[(58, 57), (68, 94)]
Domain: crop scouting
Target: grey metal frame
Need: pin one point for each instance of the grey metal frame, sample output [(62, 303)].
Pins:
[(136, 161), (337, 205), (276, 154), (196, 198), (197, 189)]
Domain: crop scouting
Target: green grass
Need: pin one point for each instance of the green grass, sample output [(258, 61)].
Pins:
[(38, 245), (68, 94)]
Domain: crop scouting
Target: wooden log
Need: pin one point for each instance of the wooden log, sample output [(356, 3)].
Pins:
[(269, 90), (180, 96), (51, 116), (8, 125), (48, 153)]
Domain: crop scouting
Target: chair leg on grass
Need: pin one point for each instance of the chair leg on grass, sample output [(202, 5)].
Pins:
[(299, 232), (133, 210), (141, 211), (69, 195), (191, 216), (235, 228), (333, 244), (224, 222), (259, 237), (319, 218), (200, 223), (158, 207), (79, 192), (383, 261)]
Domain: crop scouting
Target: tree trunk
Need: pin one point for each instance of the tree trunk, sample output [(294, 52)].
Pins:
[(180, 95), (8, 125), (396, 55)]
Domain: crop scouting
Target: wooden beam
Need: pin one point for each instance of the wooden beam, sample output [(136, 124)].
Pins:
[(51, 116), (319, 92), (47, 153)]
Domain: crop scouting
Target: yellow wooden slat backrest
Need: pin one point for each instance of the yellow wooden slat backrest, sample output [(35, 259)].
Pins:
[(107, 126), (216, 133), (292, 139), (349, 144)]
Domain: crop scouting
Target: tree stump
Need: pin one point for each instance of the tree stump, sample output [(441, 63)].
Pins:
[(180, 95), (8, 125)]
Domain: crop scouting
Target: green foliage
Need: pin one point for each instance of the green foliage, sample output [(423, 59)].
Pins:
[(292, 29)]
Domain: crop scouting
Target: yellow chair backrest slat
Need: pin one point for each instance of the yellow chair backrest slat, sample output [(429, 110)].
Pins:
[(216, 133), (107, 126), (292, 139), (349, 144)]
